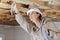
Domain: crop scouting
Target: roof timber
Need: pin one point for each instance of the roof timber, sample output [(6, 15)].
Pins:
[(7, 18)]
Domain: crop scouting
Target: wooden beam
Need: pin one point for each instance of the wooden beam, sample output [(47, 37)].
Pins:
[(39, 2), (53, 14)]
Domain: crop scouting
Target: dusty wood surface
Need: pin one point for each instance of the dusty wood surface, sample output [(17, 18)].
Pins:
[(8, 19)]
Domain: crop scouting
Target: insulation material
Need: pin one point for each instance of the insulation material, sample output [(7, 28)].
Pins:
[(54, 4), (4, 0), (5, 6), (45, 0), (22, 1)]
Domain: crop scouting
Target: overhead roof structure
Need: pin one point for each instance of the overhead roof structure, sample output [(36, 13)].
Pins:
[(41, 4)]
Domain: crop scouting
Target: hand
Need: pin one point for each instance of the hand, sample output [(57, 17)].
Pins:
[(14, 8)]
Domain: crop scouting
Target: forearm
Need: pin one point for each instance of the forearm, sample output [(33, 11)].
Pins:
[(23, 23), (52, 27)]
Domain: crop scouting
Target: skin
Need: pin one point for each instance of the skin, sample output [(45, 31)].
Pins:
[(34, 18)]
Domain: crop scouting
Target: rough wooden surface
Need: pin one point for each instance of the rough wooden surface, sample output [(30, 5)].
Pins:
[(7, 18)]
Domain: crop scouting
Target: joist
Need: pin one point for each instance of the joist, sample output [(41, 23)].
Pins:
[(5, 14), (53, 14), (39, 2)]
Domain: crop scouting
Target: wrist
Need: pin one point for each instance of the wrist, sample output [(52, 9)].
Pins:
[(37, 22)]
